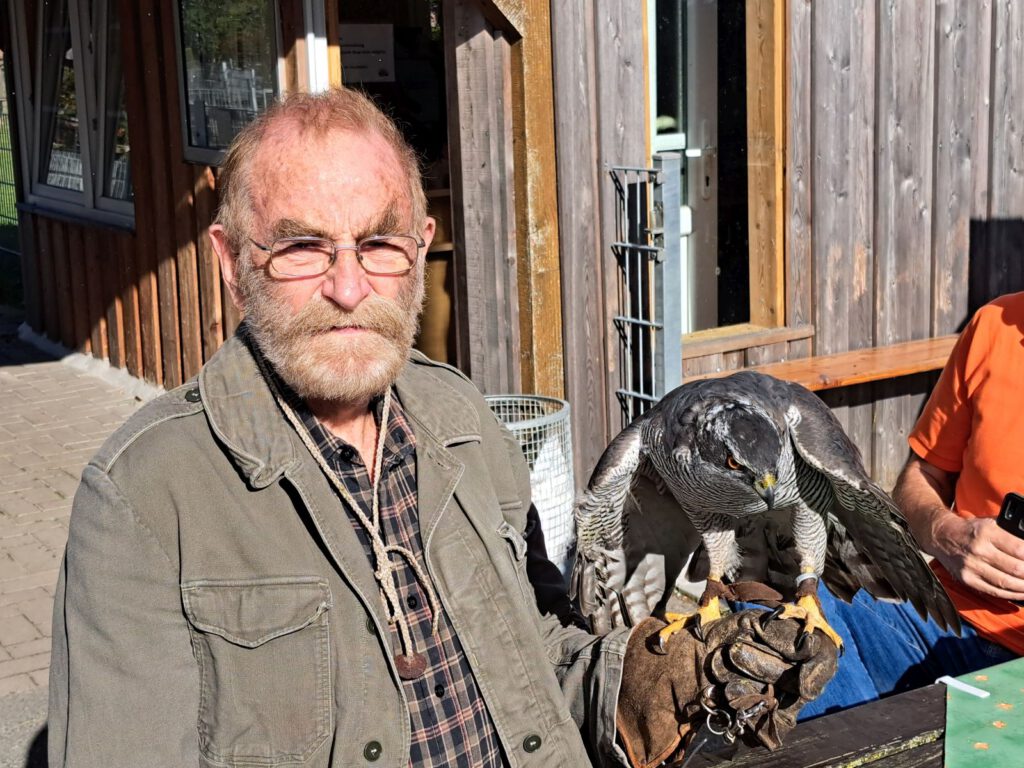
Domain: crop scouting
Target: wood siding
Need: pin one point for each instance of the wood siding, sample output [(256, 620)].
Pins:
[(600, 104), (904, 191)]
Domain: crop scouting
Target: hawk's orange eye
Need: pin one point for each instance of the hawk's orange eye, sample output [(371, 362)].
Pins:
[(730, 462)]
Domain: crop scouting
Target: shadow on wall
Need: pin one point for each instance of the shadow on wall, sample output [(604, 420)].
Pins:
[(996, 263)]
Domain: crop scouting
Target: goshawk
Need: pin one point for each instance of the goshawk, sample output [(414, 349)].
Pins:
[(756, 478)]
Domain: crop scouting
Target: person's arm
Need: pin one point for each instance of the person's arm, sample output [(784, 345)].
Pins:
[(975, 550), (124, 688)]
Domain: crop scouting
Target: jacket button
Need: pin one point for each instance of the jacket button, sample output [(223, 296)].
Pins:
[(193, 395), (531, 743), (369, 625), (372, 751)]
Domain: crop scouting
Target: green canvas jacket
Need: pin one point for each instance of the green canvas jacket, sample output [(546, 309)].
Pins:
[(215, 607)]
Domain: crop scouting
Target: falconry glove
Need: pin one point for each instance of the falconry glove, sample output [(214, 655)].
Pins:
[(767, 673)]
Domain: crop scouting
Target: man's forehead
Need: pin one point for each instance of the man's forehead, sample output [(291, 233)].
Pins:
[(287, 144), (341, 177)]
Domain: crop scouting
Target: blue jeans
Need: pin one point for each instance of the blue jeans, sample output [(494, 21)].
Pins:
[(888, 649)]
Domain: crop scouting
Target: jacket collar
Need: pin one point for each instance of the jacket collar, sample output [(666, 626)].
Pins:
[(245, 417)]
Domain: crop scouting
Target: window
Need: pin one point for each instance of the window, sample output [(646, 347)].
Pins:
[(79, 154), (228, 58), (715, 97)]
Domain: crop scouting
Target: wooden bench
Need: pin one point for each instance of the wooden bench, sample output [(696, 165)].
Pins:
[(857, 366), (902, 731)]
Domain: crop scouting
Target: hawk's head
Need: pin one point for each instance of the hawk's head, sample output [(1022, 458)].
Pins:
[(739, 444)]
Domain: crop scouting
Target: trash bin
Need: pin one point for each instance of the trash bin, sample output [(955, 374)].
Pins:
[(541, 425)]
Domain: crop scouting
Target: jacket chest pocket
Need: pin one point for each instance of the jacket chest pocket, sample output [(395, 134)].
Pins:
[(263, 649)]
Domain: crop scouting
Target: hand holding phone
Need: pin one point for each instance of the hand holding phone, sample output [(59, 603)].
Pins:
[(1011, 519), (1011, 514)]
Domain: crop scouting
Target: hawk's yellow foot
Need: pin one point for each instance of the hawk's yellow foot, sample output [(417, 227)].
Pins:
[(703, 616), (808, 610)]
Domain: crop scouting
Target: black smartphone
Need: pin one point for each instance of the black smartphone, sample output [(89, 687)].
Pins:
[(1011, 514)]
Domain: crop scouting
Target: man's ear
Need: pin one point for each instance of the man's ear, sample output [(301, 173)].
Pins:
[(428, 231), (228, 262)]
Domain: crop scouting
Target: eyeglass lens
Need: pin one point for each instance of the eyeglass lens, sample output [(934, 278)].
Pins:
[(309, 256)]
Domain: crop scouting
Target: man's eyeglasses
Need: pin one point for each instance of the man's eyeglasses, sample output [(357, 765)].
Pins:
[(313, 256)]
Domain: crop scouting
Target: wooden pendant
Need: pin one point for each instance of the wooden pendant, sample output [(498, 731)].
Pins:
[(411, 666)]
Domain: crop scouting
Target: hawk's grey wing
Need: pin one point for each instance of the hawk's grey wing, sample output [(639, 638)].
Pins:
[(599, 572), (869, 540)]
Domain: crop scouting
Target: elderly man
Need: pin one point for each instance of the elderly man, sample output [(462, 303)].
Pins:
[(323, 552)]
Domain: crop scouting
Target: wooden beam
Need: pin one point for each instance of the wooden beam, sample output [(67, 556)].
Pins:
[(858, 366), (732, 338), (334, 63), (765, 46), (540, 299)]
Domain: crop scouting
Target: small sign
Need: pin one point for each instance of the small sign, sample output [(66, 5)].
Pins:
[(367, 53)]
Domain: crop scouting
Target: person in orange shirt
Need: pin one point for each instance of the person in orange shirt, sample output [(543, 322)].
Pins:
[(967, 454)]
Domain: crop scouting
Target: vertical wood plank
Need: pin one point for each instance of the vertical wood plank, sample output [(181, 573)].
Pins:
[(1007, 168), (536, 204), (584, 312), (80, 296), (906, 103), (139, 253), (30, 272), (982, 21), (293, 46), (182, 177), (160, 182), (62, 279), (482, 210), (47, 279), (334, 63), (92, 297), (765, 48), (961, 63), (799, 234), (132, 283), (769, 353), (833, 96), (620, 63), (211, 312), (111, 290)]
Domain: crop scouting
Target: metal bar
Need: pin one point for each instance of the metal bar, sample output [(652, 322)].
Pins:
[(636, 321), (668, 196)]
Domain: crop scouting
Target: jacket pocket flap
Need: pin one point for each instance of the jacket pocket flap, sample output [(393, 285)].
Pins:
[(251, 612)]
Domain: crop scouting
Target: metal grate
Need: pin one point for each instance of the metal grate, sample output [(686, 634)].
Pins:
[(8, 190), (541, 425), (647, 252)]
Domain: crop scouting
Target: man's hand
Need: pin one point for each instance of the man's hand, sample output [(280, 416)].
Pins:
[(981, 555), (740, 667), (975, 550)]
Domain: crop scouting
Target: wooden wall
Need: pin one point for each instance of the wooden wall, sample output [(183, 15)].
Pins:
[(600, 93), (905, 134)]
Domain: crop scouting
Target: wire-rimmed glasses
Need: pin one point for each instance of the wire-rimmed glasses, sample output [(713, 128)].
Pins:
[(390, 255)]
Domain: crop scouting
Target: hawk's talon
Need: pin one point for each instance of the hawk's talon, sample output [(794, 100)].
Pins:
[(698, 627), (770, 616)]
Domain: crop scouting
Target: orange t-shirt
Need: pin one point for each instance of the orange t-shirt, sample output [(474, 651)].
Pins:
[(973, 424)]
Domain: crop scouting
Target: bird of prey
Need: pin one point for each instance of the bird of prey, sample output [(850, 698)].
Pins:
[(760, 475)]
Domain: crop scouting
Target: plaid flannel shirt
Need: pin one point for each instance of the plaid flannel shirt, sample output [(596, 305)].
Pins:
[(450, 722)]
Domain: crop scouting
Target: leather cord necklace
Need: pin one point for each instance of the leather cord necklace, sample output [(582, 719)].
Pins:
[(410, 664)]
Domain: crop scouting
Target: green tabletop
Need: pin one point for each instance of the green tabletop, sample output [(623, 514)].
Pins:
[(988, 731)]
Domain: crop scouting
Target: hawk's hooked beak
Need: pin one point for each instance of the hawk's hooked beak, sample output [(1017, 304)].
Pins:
[(765, 488)]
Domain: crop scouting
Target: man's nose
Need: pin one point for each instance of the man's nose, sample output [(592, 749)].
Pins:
[(346, 283)]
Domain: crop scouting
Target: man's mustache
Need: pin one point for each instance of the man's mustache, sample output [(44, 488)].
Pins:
[(374, 313)]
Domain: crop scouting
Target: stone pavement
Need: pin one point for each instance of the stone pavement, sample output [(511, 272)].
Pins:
[(52, 419)]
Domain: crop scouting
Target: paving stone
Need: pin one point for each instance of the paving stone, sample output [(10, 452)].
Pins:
[(31, 648), (17, 630), (16, 684)]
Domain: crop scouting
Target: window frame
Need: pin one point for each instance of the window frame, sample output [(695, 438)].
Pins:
[(205, 155), (91, 204), (766, 252)]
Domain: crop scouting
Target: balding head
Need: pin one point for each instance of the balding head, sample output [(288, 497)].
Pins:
[(314, 115)]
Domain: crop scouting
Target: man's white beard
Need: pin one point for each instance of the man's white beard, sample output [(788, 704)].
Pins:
[(319, 364)]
